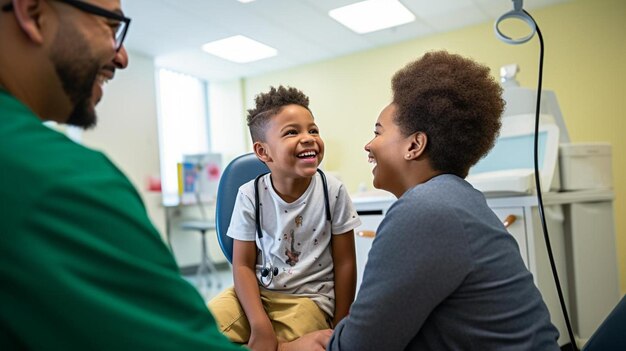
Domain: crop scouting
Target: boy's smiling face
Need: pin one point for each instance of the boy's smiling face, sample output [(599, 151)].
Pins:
[(293, 147)]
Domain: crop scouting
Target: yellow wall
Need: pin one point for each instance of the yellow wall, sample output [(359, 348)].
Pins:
[(585, 64)]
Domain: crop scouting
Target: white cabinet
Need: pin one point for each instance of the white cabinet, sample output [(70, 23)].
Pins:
[(371, 212), (528, 233), (582, 237), (592, 264)]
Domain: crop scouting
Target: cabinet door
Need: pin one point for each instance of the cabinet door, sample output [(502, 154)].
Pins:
[(515, 223), (364, 236)]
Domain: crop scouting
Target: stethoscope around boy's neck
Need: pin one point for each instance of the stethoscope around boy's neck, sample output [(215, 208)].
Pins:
[(268, 270)]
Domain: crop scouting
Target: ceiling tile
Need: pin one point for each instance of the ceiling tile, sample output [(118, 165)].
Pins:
[(429, 8), (457, 18), (172, 31)]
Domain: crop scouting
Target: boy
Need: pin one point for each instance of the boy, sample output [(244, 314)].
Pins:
[(304, 256)]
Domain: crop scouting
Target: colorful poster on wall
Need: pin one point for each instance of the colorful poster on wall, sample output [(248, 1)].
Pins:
[(198, 177)]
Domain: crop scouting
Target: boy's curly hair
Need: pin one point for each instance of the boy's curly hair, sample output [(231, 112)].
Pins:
[(269, 104), (455, 102)]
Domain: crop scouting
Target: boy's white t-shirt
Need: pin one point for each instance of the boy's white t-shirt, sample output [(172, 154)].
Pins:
[(296, 235)]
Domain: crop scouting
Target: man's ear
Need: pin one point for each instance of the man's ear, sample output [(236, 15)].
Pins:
[(417, 145), (260, 150), (28, 14)]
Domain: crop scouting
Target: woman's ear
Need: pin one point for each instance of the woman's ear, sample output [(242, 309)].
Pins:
[(260, 150), (417, 145), (29, 15)]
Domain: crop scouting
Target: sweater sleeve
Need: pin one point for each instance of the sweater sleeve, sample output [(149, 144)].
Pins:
[(419, 257), (95, 274)]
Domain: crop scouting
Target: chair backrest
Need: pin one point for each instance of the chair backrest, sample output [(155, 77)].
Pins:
[(238, 172), (610, 335)]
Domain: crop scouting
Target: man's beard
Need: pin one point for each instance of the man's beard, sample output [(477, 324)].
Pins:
[(78, 71)]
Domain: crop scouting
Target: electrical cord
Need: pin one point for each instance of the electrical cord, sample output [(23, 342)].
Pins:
[(520, 13), (538, 186)]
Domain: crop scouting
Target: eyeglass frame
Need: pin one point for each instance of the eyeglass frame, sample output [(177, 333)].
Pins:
[(93, 10)]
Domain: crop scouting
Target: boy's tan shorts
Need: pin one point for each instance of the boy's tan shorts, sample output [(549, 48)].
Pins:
[(291, 316)]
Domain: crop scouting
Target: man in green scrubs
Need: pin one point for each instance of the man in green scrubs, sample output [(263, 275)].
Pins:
[(81, 266)]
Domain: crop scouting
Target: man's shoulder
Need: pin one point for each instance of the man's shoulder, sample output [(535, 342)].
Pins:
[(42, 158), (53, 154)]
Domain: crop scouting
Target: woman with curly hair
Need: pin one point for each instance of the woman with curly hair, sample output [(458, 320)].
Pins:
[(443, 272)]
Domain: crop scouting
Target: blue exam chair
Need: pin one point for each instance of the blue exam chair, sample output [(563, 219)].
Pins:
[(238, 172)]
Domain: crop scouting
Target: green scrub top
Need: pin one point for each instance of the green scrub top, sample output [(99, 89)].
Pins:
[(81, 265)]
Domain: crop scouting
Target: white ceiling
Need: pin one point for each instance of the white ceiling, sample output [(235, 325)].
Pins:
[(172, 31)]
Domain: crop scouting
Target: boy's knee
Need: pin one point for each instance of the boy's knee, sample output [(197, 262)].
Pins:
[(302, 318), (229, 316)]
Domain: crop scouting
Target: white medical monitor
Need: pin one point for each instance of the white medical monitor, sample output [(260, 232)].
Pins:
[(509, 167)]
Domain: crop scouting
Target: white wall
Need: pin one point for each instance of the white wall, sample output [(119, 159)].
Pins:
[(127, 130), (229, 133)]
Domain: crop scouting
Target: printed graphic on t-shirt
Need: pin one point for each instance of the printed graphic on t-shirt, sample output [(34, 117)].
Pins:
[(292, 255), (298, 221)]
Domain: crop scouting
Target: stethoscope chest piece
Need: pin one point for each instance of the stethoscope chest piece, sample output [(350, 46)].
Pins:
[(265, 271)]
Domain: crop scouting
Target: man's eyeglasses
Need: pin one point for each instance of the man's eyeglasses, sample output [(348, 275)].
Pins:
[(120, 30)]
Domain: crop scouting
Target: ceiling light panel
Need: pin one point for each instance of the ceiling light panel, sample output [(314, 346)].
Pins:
[(240, 49), (372, 15)]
